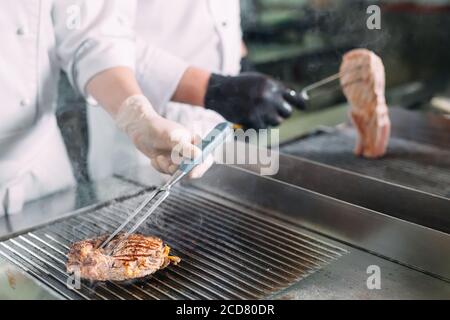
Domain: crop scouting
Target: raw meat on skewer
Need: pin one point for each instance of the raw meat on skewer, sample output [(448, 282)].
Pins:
[(363, 83)]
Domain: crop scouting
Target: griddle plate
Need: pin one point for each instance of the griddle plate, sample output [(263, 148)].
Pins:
[(228, 251), (415, 165)]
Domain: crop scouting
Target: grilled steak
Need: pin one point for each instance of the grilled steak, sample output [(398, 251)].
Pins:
[(136, 257), (363, 83)]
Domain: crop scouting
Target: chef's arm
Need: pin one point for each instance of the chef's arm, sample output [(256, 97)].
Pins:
[(192, 87), (194, 83), (251, 99), (112, 87), (99, 58), (117, 91)]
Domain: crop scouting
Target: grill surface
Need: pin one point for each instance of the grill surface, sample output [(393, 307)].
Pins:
[(408, 163), (228, 251)]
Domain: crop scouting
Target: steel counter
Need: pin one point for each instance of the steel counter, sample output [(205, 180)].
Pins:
[(344, 278)]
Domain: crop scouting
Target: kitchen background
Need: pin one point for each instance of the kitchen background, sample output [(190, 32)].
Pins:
[(302, 41)]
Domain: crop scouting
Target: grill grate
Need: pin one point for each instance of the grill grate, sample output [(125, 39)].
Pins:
[(228, 251), (415, 165)]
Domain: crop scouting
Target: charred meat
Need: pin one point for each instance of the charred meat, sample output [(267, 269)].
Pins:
[(363, 83), (135, 257)]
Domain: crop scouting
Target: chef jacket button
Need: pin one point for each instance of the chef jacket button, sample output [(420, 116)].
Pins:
[(224, 24), (25, 103), (22, 31), (123, 21)]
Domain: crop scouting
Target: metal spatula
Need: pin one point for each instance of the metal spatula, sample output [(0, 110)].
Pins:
[(215, 138)]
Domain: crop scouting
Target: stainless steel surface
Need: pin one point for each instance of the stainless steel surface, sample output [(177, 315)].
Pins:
[(67, 202), (345, 278), (16, 284), (417, 165), (404, 242), (422, 127), (388, 198), (227, 250)]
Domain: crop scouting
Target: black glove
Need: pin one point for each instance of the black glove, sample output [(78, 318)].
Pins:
[(252, 100)]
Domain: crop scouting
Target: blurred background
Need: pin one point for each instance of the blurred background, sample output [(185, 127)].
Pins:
[(302, 41)]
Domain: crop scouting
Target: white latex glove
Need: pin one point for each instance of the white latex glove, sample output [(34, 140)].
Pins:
[(161, 140), (196, 119)]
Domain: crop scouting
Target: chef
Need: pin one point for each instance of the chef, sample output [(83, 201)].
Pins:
[(90, 42), (188, 64)]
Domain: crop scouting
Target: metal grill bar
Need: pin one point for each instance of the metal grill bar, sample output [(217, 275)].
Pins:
[(213, 261), (37, 272), (228, 251), (218, 255), (212, 274), (67, 228), (243, 225), (59, 252), (94, 232)]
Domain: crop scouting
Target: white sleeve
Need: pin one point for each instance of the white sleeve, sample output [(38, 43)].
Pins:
[(93, 36), (158, 73)]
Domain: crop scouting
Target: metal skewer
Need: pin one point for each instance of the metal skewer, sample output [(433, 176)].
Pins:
[(215, 138), (304, 93)]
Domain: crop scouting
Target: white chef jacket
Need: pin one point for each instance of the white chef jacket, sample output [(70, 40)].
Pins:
[(83, 37), (172, 35)]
